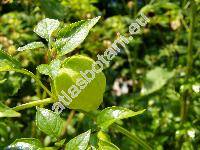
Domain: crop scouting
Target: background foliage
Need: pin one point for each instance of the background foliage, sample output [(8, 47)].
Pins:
[(158, 71)]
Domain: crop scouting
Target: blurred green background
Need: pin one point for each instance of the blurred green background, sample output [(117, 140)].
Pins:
[(158, 71)]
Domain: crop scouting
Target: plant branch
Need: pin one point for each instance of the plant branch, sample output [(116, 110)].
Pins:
[(132, 68), (131, 136), (32, 104), (28, 73), (136, 7), (68, 122), (38, 92), (186, 94), (190, 38)]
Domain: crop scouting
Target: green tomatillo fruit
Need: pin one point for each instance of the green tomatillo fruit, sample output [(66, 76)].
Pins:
[(80, 83)]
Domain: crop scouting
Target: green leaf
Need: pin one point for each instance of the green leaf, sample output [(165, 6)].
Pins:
[(3, 131), (4, 67), (73, 35), (52, 69), (106, 145), (25, 144), (7, 61), (5, 111), (60, 143), (30, 46), (80, 142), (105, 142), (111, 114), (155, 80), (2, 81), (49, 122), (46, 27)]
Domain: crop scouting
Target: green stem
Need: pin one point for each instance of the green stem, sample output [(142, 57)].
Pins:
[(184, 105), (28, 73), (132, 68), (183, 3), (32, 104), (190, 38), (38, 92), (68, 122), (131, 136), (49, 52), (136, 7), (186, 94)]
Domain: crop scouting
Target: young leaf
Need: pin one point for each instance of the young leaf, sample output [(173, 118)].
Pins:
[(80, 142), (44, 69), (46, 27), (30, 46), (25, 144), (5, 111), (111, 114), (73, 35), (8, 61), (60, 143), (49, 122), (2, 81), (155, 80), (51, 69)]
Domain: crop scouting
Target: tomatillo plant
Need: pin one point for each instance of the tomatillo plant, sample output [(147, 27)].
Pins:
[(63, 72)]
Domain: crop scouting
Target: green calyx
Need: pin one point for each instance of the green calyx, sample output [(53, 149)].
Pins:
[(83, 88)]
